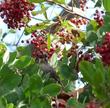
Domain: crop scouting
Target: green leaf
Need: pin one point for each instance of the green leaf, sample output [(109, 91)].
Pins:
[(23, 62), (104, 29), (90, 72), (106, 19), (92, 26), (41, 103), (79, 38), (100, 71), (65, 58), (46, 104), (74, 103), (44, 10), (98, 3), (91, 36), (100, 93), (8, 80), (66, 72), (31, 69), (35, 83), (87, 71), (36, 1), (12, 57), (36, 102), (66, 24), (70, 86), (33, 28), (1, 62), (60, 1), (25, 50), (11, 105), (27, 30), (106, 4), (73, 61), (2, 49), (52, 89), (34, 13), (3, 103), (41, 11), (48, 41), (13, 96), (108, 75)]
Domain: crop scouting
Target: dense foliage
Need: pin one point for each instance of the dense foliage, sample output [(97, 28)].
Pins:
[(43, 72)]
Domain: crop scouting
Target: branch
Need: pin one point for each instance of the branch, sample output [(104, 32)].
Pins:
[(20, 38), (76, 11)]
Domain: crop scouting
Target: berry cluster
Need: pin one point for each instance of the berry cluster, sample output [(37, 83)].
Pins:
[(13, 12), (78, 21), (40, 49), (65, 36), (82, 4), (68, 37), (98, 16), (104, 49)]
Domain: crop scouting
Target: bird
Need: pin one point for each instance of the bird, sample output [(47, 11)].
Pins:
[(48, 69)]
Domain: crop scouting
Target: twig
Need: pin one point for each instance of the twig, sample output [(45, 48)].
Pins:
[(3, 36), (20, 38), (38, 19), (72, 4), (68, 10)]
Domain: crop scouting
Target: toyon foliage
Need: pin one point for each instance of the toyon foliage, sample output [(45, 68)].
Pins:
[(43, 71)]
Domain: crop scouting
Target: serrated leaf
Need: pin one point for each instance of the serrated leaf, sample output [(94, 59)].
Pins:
[(90, 72), (87, 71)]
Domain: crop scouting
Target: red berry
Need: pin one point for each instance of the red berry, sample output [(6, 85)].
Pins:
[(13, 12)]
